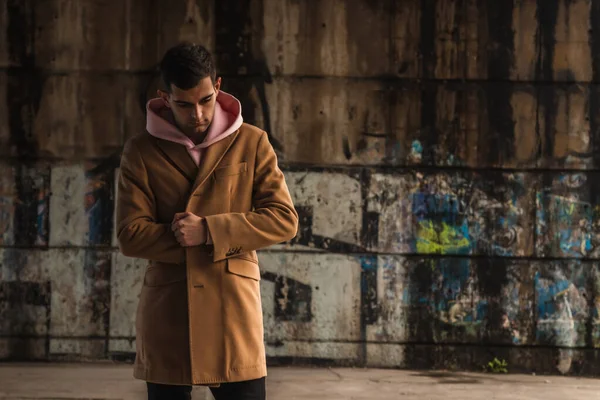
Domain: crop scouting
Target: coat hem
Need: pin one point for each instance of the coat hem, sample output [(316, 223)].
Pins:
[(234, 375)]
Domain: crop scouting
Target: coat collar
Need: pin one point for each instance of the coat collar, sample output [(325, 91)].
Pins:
[(211, 158), (179, 157)]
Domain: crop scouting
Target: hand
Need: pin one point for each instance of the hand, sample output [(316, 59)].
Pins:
[(189, 229)]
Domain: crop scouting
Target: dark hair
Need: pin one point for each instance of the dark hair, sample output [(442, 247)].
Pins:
[(186, 64)]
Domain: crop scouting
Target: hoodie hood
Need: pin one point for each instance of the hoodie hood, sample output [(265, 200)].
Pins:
[(226, 120)]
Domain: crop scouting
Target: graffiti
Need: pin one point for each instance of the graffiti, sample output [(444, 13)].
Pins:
[(346, 222), (567, 218), (563, 293), (567, 309), (451, 214), (450, 300)]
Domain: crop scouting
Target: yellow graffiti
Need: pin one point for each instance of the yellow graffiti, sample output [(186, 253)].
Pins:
[(439, 238)]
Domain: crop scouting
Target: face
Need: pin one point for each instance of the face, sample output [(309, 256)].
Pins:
[(193, 109)]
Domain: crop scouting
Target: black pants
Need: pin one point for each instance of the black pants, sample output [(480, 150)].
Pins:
[(246, 390)]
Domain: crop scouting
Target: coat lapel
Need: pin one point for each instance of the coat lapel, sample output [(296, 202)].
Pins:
[(178, 156), (211, 158)]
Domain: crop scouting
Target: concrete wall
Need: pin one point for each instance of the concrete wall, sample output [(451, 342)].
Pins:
[(443, 156)]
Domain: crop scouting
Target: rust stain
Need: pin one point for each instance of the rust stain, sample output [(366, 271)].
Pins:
[(572, 52), (524, 105)]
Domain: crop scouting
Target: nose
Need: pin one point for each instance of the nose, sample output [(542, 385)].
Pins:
[(197, 113)]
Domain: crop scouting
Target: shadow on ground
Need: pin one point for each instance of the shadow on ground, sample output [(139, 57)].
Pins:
[(449, 378)]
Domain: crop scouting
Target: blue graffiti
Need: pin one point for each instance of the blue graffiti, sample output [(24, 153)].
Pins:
[(562, 307), (567, 228)]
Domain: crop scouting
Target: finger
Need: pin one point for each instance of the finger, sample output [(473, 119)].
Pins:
[(176, 218), (177, 225), (182, 215)]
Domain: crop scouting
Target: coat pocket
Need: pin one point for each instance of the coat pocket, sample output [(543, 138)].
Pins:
[(243, 267), (229, 170), (164, 274)]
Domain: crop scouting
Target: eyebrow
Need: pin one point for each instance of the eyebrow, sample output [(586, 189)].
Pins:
[(188, 103)]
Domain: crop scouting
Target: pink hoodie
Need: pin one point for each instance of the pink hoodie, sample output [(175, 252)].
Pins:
[(226, 120)]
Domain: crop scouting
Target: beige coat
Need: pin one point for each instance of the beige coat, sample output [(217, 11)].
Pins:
[(243, 195)]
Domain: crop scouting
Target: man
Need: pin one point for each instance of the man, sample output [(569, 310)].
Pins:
[(199, 193)]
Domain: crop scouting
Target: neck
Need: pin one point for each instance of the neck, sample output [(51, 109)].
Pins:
[(197, 137)]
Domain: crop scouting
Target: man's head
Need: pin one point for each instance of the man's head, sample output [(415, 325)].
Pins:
[(190, 87)]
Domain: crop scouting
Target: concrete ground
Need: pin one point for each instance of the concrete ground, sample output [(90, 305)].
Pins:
[(114, 381)]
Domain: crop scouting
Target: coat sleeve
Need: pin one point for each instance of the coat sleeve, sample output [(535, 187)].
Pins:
[(138, 233), (273, 219)]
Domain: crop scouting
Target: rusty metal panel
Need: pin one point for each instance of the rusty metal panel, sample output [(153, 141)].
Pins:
[(102, 35), (178, 20), (82, 115), (314, 120), (81, 34), (455, 31), (508, 40), (373, 123), (69, 116), (21, 93), (525, 29), (432, 39), (154, 26), (138, 89), (5, 57), (407, 25), (16, 35), (5, 129), (564, 53), (321, 38)]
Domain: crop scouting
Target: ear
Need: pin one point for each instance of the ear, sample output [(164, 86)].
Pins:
[(164, 95), (218, 85)]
